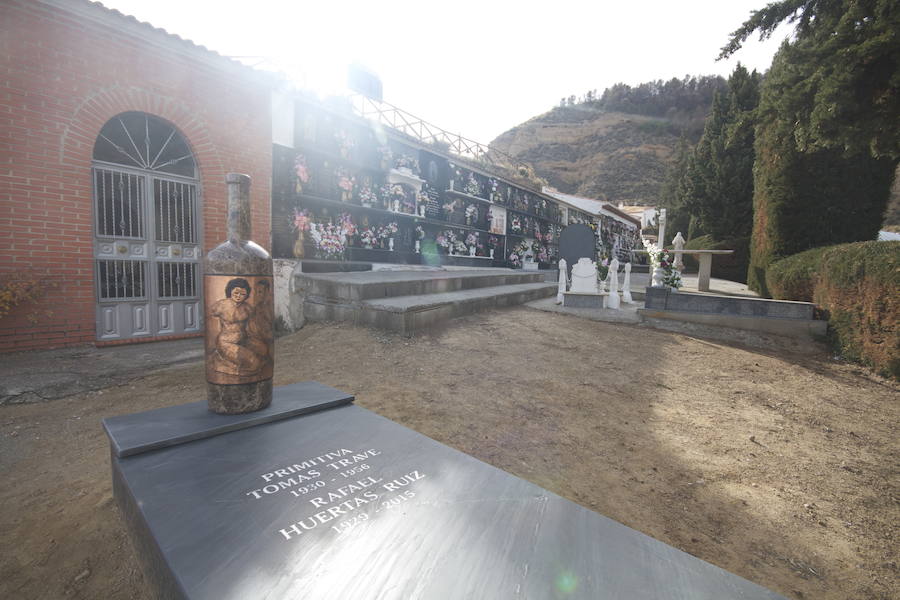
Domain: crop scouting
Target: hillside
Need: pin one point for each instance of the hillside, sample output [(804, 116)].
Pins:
[(616, 146), (581, 150)]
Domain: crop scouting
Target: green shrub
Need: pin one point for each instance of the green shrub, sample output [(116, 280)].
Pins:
[(857, 287), (795, 277)]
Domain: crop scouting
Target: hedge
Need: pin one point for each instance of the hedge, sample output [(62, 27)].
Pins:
[(858, 287)]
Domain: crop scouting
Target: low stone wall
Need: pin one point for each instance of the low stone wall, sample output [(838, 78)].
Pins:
[(790, 319), (665, 299)]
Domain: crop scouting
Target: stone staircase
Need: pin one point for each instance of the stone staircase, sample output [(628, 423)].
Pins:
[(409, 301)]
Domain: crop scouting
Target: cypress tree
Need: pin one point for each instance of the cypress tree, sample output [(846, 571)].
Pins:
[(721, 190), (806, 196), (827, 140), (671, 196)]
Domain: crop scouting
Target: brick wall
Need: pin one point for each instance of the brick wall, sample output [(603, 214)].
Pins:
[(68, 66)]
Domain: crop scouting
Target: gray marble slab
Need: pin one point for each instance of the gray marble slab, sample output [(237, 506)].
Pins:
[(172, 425), (380, 512)]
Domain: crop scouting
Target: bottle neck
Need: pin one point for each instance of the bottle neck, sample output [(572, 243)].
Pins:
[(238, 207)]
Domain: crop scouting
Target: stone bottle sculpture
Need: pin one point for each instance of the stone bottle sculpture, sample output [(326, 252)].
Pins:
[(239, 311)]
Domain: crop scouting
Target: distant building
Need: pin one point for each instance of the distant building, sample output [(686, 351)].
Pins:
[(619, 232), (645, 214)]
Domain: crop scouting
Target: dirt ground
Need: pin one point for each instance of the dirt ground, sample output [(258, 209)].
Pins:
[(781, 468)]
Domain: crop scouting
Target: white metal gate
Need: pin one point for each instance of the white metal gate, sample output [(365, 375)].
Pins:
[(146, 240)]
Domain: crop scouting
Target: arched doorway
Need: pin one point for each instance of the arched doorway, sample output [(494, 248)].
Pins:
[(146, 230)]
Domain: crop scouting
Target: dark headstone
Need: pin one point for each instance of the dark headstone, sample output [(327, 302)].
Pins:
[(342, 503), (577, 241)]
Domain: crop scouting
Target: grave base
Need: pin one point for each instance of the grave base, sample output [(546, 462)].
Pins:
[(323, 499), (583, 300)]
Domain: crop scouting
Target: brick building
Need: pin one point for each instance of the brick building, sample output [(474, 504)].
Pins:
[(115, 138)]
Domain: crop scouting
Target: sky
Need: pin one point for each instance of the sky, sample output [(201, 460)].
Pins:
[(472, 68)]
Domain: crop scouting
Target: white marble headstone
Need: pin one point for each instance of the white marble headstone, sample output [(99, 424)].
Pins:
[(584, 277)]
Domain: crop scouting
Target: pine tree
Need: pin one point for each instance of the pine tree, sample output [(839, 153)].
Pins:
[(848, 89)]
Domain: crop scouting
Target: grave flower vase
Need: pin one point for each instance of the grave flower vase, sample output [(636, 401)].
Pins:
[(298, 244)]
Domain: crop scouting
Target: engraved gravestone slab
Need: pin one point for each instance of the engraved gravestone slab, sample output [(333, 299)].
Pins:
[(344, 504), (433, 204)]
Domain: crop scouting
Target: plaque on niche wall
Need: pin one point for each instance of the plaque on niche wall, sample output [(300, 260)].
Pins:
[(343, 503), (498, 220), (433, 204)]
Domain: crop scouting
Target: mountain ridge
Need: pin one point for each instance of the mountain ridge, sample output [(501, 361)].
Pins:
[(608, 155)]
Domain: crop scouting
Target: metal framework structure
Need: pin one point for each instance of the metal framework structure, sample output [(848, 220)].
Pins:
[(428, 133)]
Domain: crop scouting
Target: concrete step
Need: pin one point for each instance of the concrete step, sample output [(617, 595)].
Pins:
[(408, 314), (360, 286)]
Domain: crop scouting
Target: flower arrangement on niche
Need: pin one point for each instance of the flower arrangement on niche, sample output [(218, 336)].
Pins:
[(387, 230), (367, 197), (300, 220), (384, 196), (330, 241), (345, 183), (471, 215), (515, 225), (398, 198), (367, 238), (455, 177), (422, 202), (301, 173), (449, 208), (407, 163), (345, 143), (494, 186), (472, 188)]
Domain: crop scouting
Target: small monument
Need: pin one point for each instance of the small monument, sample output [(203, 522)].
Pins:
[(626, 285), (612, 300), (678, 243), (240, 311), (561, 289)]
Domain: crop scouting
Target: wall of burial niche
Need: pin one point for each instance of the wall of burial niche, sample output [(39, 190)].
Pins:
[(344, 192), (615, 239)]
